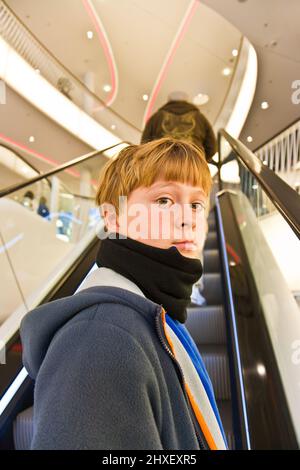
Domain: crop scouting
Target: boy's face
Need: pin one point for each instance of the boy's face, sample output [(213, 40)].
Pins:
[(165, 214)]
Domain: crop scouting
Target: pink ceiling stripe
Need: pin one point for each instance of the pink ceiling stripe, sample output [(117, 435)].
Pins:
[(169, 57), (106, 48), (35, 154)]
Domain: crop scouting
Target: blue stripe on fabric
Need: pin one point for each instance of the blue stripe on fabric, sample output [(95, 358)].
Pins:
[(187, 341)]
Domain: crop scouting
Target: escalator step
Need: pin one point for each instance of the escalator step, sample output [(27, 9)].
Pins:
[(225, 409), (211, 241), (206, 324), (23, 429), (211, 262), (230, 440), (216, 362), (211, 223), (212, 291)]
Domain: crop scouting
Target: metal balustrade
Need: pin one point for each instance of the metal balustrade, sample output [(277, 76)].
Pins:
[(282, 155), (265, 190)]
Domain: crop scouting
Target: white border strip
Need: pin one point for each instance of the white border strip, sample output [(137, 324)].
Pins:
[(12, 390)]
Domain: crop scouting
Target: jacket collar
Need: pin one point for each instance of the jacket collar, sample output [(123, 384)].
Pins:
[(108, 277)]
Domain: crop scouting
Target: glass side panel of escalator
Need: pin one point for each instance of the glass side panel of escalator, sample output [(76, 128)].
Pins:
[(43, 230), (273, 253)]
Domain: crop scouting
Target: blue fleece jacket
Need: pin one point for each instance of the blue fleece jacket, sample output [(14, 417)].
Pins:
[(103, 379)]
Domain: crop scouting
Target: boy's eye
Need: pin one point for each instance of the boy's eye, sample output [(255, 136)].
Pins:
[(198, 206), (167, 202), (163, 201)]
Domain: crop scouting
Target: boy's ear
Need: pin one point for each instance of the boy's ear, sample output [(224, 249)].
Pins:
[(110, 217)]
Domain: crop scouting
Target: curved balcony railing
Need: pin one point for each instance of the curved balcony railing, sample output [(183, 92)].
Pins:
[(18, 36)]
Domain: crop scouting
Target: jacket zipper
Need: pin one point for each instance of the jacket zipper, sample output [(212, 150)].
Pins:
[(202, 442)]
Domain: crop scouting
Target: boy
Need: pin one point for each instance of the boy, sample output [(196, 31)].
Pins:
[(114, 366), (180, 119)]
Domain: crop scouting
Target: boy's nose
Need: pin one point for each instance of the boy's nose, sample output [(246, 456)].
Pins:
[(187, 223), (184, 218)]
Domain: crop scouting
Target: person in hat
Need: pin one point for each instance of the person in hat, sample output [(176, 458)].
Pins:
[(182, 120)]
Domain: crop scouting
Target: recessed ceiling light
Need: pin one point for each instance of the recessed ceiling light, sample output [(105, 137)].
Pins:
[(31, 138), (90, 34), (249, 138), (107, 88), (113, 126), (235, 52), (145, 97), (37, 70), (265, 105), (200, 99), (227, 71)]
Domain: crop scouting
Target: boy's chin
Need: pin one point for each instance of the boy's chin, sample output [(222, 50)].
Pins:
[(189, 253)]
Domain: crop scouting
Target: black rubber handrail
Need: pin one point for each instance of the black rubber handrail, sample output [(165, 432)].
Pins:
[(284, 198), (21, 157), (11, 149), (64, 166)]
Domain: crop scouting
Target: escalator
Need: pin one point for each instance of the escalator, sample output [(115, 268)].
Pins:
[(243, 346), (247, 331)]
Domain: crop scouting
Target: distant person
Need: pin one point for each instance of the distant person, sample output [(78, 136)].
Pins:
[(181, 120), (43, 210), (65, 86), (29, 200)]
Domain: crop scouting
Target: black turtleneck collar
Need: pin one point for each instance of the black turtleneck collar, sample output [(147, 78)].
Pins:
[(164, 275)]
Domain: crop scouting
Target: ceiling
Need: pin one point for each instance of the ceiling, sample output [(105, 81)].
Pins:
[(140, 34), (52, 146), (272, 26)]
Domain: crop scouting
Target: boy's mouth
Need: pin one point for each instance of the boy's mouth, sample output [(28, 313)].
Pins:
[(185, 245)]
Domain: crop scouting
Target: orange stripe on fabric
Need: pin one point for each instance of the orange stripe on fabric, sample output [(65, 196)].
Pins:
[(200, 419), (165, 330)]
